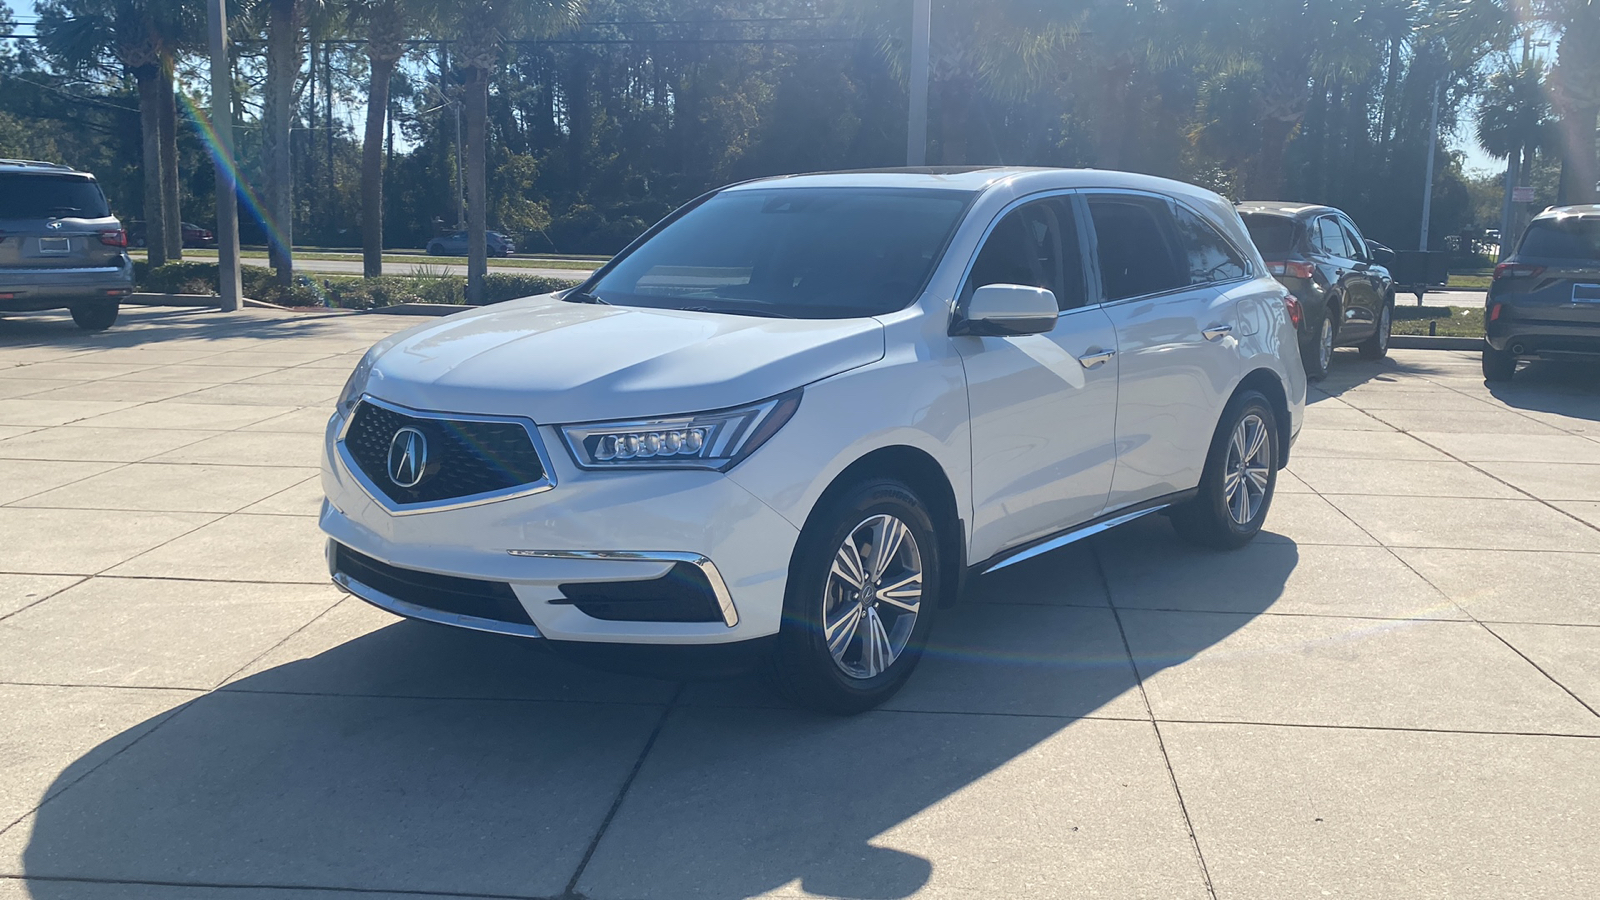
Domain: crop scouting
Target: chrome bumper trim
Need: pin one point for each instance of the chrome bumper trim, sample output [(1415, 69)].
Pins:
[(719, 588), (412, 611)]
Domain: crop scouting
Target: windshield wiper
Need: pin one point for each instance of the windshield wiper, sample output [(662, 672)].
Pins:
[(577, 296), (70, 209), (738, 311)]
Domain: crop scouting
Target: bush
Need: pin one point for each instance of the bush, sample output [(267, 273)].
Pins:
[(501, 286), (176, 277), (424, 285)]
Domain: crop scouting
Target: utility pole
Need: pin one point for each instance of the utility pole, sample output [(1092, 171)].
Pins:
[(1433, 147), (461, 182), (222, 158), (917, 126)]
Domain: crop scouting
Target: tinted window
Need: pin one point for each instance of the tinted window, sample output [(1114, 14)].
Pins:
[(1133, 247), (1037, 245), (1562, 239), (1358, 246), (1332, 237), (50, 196), (1272, 235), (799, 252), (1210, 257)]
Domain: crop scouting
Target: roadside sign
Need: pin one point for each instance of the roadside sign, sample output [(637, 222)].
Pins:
[(1522, 195)]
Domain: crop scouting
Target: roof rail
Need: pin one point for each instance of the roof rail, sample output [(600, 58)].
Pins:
[(35, 163)]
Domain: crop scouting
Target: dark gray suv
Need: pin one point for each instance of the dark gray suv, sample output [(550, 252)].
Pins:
[(1320, 256), (60, 247), (1545, 298)]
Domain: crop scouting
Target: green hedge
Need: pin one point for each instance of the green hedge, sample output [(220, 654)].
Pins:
[(342, 292)]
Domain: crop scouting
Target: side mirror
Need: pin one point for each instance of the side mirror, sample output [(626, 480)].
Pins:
[(1004, 310), (1380, 254)]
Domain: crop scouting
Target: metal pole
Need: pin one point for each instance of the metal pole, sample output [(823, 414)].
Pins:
[(1433, 147), (461, 183), (917, 126), (228, 287)]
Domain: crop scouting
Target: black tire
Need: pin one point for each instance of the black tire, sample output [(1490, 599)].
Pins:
[(802, 666), (1207, 520), (1315, 354), (96, 316), (1377, 346), (1498, 365), (435, 250)]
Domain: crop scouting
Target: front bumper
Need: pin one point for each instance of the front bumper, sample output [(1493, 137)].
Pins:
[(46, 288), (590, 528)]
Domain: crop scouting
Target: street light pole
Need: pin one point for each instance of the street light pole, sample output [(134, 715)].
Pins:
[(917, 126), (1433, 147), (228, 288)]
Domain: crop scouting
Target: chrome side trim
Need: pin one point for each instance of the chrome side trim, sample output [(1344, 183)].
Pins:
[(1072, 536), (412, 611), (719, 588), (408, 509)]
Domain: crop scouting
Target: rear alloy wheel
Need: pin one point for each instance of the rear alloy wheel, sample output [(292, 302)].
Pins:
[(1498, 365), (860, 599), (1318, 354), (1240, 476), (96, 316), (1377, 346)]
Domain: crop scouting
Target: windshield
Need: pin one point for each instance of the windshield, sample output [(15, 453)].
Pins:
[(1272, 235), (807, 253), (33, 196), (1562, 239)]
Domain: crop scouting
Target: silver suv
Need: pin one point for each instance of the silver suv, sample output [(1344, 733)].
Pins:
[(60, 247)]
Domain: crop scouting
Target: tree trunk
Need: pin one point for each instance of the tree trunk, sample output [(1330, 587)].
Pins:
[(1579, 167), (283, 67), (1111, 126), (148, 80), (172, 214), (476, 92), (955, 107), (372, 168), (1506, 240), (1268, 181)]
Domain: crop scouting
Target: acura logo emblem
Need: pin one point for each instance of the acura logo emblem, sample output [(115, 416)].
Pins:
[(408, 457)]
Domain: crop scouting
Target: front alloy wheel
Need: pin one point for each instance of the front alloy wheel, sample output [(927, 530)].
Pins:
[(863, 586)]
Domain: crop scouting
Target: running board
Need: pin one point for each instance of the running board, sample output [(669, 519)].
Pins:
[(1071, 536)]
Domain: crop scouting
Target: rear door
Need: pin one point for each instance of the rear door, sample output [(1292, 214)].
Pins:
[(54, 221), (1558, 279), (1175, 342), (1370, 281)]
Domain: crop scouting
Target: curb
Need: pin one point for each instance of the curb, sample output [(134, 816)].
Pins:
[(420, 309), (1424, 342)]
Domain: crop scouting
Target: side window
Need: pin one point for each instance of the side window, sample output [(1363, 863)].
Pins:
[(1210, 256), (1035, 244), (1332, 239), (1358, 246), (1134, 248)]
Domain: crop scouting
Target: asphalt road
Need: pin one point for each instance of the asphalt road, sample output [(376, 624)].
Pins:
[(1443, 298), (353, 267)]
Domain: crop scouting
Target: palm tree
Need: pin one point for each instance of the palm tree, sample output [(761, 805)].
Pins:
[(1575, 93), (1513, 123), (142, 36), (387, 23), (481, 27), (285, 19)]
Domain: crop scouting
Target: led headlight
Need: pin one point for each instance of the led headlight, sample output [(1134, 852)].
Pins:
[(356, 384), (712, 440)]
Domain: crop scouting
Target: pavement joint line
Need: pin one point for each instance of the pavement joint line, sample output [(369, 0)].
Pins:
[(1155, 727), (296, 888), (1242, 723), (286, 638), (622, 793), (1553, 680), (327, 584), (81, 580)]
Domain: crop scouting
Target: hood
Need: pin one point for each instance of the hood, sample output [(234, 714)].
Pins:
[(558, 362)]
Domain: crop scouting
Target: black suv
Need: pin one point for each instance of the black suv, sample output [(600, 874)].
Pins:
[(1545, 298), (60, 247), (1319, 255)]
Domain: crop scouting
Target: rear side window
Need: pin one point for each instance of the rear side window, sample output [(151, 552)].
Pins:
[(1272, 235), (1211, 258), (34, 196), (1037, 245), (1562, 239), (1133, 245)]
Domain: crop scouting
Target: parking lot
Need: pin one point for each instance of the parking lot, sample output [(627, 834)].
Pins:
[(1394, 692)]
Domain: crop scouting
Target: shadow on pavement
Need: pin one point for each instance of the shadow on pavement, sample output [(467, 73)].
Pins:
[(1552, 386), (424, 759)]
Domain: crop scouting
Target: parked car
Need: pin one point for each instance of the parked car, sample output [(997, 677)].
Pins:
[(60, 247), (1320, 256), (788, 422), (455, 244), (194, 237), (1545, 298)]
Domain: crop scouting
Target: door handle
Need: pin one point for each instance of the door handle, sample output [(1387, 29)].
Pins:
[(1099, 358), (1217, 332)]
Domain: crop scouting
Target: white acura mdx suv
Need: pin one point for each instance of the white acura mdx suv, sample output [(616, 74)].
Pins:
[(794, 415)]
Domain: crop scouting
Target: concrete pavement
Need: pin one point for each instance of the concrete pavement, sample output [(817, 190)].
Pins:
[(1393, 692)]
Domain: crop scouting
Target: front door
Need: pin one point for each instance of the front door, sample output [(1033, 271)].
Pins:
[(1160, 268), (1044, 406)]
